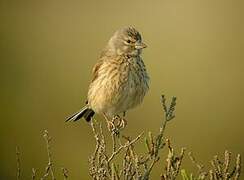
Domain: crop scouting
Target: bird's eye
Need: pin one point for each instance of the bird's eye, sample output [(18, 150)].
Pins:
[(128, 41)]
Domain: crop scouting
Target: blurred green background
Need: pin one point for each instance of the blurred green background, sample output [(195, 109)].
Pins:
[(195, 52)]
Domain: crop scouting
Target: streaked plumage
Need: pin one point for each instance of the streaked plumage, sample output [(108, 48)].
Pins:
[(120, 80)]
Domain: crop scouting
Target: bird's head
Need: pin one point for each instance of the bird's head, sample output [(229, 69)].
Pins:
[(126, 41)]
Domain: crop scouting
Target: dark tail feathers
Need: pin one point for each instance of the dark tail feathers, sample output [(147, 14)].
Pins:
[(85, 112)]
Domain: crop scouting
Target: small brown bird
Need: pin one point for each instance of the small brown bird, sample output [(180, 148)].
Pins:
[(119, 81)]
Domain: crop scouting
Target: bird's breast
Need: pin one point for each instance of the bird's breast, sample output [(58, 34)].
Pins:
[(120, 85)]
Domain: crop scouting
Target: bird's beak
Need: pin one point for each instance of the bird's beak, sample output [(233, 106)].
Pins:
[(140, 45)]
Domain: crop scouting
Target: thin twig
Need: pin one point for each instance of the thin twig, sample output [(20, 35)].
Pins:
[(49, 167), (33, 176), (65, 173), (18, 163), (226, 165), (238, 167), (124, 147)]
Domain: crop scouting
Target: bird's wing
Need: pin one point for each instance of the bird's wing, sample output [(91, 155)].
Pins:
[(96, 69), (102, 58)]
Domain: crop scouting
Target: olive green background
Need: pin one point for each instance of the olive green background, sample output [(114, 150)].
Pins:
[(47, 50)]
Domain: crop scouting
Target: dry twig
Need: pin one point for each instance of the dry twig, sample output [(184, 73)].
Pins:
[(104, 162), (49, 168), (65, 173), (134, 166), (33, 176), (18, 163)]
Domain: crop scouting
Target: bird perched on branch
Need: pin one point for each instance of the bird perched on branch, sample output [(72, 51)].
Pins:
[(119, 78)]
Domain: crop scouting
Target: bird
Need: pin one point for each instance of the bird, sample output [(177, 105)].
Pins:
[(119, 78)]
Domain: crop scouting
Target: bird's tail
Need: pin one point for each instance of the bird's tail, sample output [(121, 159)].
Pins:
[(85, 112)]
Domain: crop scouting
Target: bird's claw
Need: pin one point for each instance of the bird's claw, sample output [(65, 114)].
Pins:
[(112, 127), (122, 123), (116, 124)]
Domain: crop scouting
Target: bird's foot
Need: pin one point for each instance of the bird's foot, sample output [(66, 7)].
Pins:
[(112, 127), (116, 124), (122, 123), (110, 123)]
